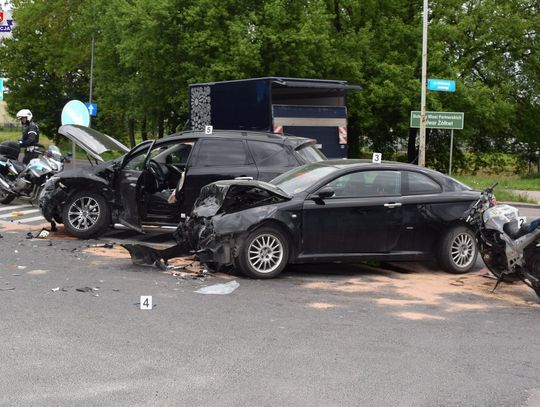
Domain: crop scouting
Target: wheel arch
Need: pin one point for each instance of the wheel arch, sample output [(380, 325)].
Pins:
[(281, 227)]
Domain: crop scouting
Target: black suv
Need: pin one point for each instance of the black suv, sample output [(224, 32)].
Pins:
[(134, 189)]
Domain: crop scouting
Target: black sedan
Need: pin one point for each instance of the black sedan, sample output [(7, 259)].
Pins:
[(157, 181), (346, 210)]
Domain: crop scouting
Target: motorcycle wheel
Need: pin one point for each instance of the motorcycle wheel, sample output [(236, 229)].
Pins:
[(6, 197), (534, 269), (496, 271)]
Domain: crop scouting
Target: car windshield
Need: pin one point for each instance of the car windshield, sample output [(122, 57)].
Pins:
[(301, 178), (310, 153)]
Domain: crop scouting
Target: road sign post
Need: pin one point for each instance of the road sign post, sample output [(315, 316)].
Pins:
[(422, 141), (441, 120)]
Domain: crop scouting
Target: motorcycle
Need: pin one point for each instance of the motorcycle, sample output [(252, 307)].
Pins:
[(508, 244), (20, 181)]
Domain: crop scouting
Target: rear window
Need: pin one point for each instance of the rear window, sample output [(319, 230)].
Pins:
[(310, 153), (416, 183), (271, 154)]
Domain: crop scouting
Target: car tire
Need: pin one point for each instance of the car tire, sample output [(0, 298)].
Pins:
[(264, 254), (458, 250), (86, 215)]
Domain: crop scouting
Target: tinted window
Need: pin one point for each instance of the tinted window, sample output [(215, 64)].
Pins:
[(271, 155), (416, 183), (222, 152), (180, 155), (367, 183)]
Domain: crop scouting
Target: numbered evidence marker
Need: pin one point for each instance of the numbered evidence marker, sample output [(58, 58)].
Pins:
[(146, 302), (377, 158), (208, 129)]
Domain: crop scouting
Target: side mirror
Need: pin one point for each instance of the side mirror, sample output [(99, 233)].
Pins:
[(325, 192)]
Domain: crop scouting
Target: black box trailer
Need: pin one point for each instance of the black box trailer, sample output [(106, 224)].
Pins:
[(302, 107)]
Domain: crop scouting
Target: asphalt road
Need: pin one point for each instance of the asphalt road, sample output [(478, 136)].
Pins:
[(326, 335)]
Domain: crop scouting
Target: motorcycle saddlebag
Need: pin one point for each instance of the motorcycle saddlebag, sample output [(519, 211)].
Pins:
[(9, 149)]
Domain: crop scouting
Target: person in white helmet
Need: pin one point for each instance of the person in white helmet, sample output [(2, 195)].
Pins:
[(30, 135)]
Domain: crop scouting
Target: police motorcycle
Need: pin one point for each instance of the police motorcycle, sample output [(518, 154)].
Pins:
[(25, 181), (508, 244)]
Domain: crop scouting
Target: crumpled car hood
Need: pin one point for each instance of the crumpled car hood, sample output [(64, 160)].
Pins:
[(235, 195)]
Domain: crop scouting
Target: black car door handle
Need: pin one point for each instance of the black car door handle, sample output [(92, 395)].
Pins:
[(392, 204)]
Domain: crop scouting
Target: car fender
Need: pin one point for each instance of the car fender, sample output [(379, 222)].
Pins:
[(89, 183)]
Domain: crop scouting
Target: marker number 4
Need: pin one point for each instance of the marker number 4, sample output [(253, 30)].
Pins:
[(146, 302)]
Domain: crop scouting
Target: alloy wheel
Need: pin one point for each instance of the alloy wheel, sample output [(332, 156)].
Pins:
[(84, 213), (265, 253), (462, 250)]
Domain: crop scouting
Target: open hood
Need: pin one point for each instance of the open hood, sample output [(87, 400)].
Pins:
[(93, 142)]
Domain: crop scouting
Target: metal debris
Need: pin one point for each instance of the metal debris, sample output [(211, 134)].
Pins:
[(87, 289)]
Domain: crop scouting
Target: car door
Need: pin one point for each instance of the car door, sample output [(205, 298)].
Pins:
[(216, 159), (272, 159), (363, 216), (420, 226), (174, 160), (128, 186)]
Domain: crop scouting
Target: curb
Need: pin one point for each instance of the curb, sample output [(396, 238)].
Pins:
[(522, 205)]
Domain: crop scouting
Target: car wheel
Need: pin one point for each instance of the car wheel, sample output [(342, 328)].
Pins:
[(264, 254), (86, 214), (458, 250)]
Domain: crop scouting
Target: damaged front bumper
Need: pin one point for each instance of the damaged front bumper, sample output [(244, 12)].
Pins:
[(211, 248), (50, 198)]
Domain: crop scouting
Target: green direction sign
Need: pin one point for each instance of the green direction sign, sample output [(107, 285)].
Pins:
[(439, 120)]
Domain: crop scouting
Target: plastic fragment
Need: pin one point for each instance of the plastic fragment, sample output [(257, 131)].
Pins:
[(43, 234), (219, 289)]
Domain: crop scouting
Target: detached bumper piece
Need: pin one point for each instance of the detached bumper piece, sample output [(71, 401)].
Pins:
[(142, 255)]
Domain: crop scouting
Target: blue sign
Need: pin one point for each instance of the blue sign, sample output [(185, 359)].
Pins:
[(75, 112), (92, 109), (1, 89), (441, 85)]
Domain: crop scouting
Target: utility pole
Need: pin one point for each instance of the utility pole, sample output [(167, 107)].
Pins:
[(91, 69), (423, 117)]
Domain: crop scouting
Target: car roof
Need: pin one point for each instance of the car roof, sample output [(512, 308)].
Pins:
[(243, 134), (352, 164)]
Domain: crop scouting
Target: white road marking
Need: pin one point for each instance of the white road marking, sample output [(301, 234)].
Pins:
[(28, 220), (9, 215), (13, 207)]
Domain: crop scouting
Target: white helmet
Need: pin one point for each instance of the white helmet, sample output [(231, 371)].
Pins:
[(25, 113)]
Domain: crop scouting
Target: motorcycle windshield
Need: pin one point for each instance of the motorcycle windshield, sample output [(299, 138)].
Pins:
[(93, 142)]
